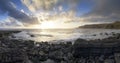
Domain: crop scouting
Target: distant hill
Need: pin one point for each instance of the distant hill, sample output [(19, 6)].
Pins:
[(115, 25)]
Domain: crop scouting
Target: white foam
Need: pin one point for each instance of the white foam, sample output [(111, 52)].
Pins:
[(22, 35), (56, 36)]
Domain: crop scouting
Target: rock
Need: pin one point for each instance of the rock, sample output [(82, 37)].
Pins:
[(69, 43), (56, 55), (49, 61), (12, 36), (101, 33), (63, 62), (79, 41), (106, 34), (94, 34), (41, 53), (82, 51), (109, 61), (32, 35), (8, 55)]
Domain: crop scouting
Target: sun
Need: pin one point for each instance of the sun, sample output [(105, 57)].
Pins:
[(47, 25)]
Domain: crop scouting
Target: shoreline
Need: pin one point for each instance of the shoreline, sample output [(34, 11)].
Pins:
[(44, 36), (28, 51)]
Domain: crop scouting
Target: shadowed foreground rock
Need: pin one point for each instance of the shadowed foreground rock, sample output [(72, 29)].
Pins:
[(82, 51)]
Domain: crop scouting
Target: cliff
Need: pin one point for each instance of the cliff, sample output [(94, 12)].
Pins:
[(115, 25)]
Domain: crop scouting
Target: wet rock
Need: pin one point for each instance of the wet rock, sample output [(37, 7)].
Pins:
[(32, 35), (12, 36), (106, 34), (94, 34), (101, 33), (79, 41)]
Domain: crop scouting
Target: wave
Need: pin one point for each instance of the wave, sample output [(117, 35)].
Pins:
[(25, 34), (64, 35)]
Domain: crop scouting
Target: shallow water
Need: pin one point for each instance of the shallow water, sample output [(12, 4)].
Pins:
[(65, 34)]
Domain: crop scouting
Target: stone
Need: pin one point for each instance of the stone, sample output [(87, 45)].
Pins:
[(49, 61)]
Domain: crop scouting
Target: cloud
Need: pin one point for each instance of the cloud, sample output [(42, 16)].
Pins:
[(11, 22), (34, 5), (104, 10), (57, 6), (10, 8), (72, 4)]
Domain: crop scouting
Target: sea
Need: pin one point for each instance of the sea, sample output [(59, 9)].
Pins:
[(63, 35)]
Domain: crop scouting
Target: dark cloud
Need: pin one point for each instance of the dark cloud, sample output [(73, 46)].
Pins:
[(10, 8), (106, 7), (105, 10)]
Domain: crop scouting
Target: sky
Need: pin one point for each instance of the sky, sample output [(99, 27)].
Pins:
[(57, 13)]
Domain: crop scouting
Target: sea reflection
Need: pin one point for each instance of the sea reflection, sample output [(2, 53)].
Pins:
[(65, 34), (52, 35)]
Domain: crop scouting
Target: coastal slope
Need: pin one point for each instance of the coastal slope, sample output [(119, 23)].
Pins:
[(114, 25)]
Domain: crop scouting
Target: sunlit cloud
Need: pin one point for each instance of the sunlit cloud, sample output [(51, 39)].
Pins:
[(34, 5)]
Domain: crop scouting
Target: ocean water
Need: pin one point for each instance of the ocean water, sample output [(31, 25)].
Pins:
[(58, 35)]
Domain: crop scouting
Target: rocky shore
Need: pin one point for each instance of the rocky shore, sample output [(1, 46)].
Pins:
[(82, 51), (113, 25)]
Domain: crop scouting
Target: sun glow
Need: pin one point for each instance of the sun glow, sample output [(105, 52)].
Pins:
[(62, 21), (48, 25), (54, 22), (55, 25)]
